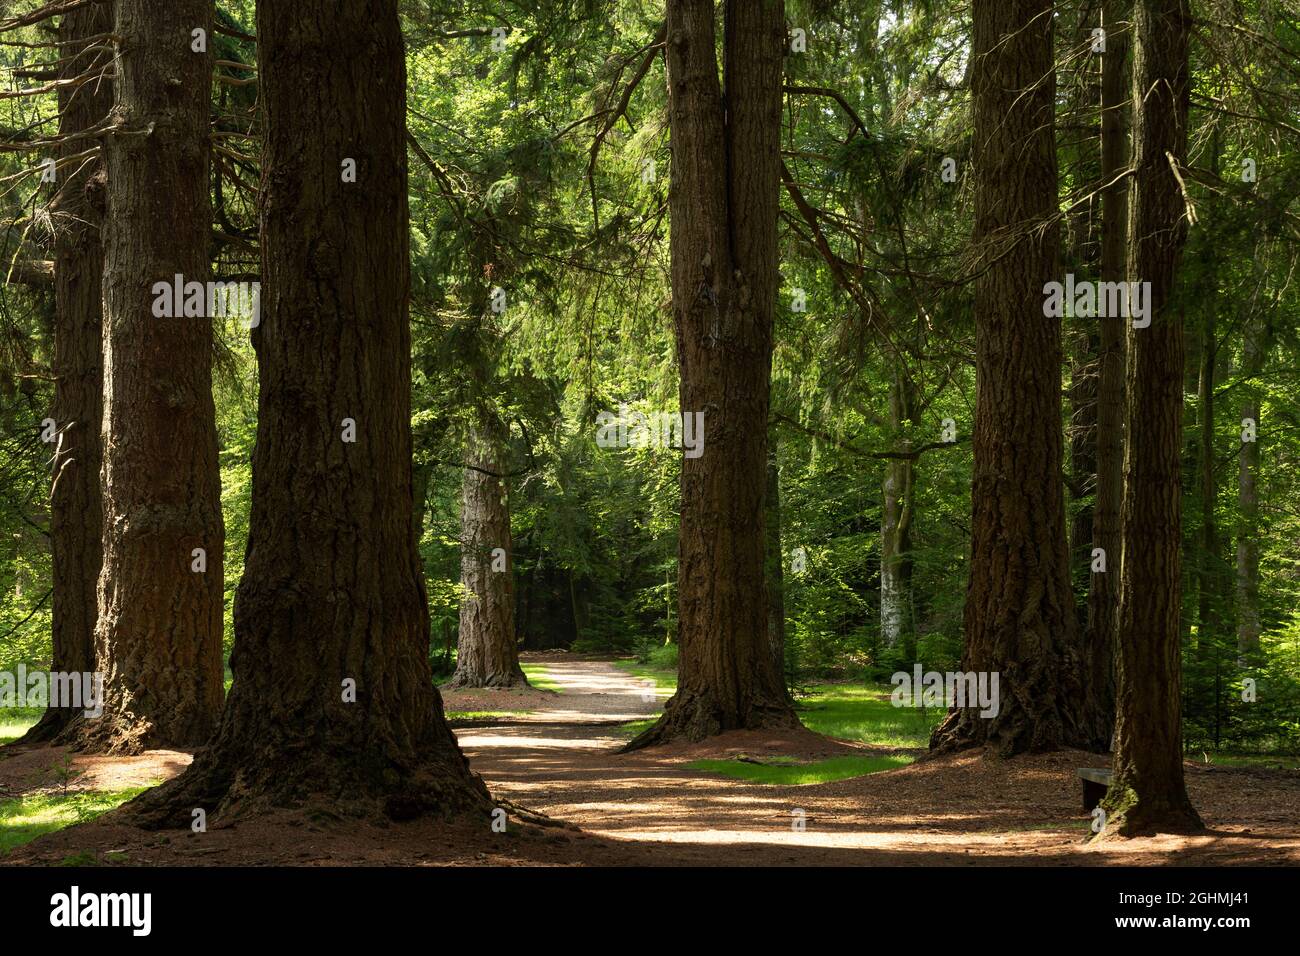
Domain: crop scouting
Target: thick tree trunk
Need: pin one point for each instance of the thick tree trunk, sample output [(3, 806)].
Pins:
[(487, 650), (723, 205), (774, 565), (75, 506), (1147, 792), (333, 701), (158, 636), (1019, 615), (1103, 590), (897, 496)]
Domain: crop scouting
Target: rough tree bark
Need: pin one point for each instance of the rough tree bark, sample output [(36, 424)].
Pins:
[(774, 564), (158, 635), (1103, 588), (723, 205), (1147, 792), (331, 592), (75, 507), (487, 650), (1019, 616)]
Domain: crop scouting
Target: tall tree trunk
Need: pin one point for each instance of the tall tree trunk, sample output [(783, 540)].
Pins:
[(1103, 591), (487, 652), (333, 699), (1082, 335), (1208, 564), (723, 205), (75, 506), (774, 564), (1248, 622), (1214, 587), (1083, 393), (1019, 616), (158, 636), (1147, 792), (897, 498)]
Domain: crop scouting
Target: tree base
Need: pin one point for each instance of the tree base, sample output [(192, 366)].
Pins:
[(1011, 732), (694, 716), (346, 784), (1129, 815), (114, 736), (500, 680)]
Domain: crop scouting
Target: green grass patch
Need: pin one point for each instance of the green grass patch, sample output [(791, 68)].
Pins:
[(539, 678), (15, 721), (23, 819), (846, 711), (788, 773), (858, 712), (483, 714), (1258, 761), (634, 727), (665, 679)]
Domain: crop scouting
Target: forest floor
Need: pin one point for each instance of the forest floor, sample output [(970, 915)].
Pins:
[(556, 753)]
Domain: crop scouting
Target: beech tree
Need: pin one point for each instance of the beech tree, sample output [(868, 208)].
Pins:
[(898, 503), (1147, 792), (487, 652)]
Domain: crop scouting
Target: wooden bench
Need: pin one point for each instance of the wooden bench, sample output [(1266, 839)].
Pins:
[(1095, 784)]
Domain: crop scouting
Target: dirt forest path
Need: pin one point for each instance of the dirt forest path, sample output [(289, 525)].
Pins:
[(556, 752), (592, 701), (563, 759)]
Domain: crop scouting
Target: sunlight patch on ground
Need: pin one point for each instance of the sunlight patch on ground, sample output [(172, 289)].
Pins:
[(856, 839), (507, 740)]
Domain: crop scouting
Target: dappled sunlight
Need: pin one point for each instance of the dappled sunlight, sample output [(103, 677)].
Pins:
[(508, 740), (564, 760)]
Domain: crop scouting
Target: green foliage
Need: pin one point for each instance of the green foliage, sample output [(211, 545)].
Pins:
[(539, 170), (663, 676), (23, 819), (539, 678), (866, 714), (15, 721), (788, 774)]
